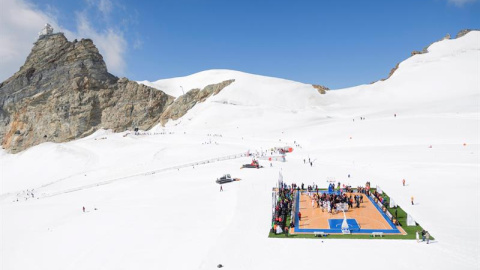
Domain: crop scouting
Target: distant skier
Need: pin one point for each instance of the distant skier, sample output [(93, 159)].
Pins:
[(412, 200), (394, 115), (403, 182), (84, 209), (221, 188)]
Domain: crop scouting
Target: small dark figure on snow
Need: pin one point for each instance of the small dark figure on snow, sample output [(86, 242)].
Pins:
[(221, 188), (84, 209)]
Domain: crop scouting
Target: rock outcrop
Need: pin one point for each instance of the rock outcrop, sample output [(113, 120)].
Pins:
[(463, 32), (185, 102), (64, 92), (320, 88)]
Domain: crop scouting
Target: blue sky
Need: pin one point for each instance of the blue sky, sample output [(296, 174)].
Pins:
[(334, 43)]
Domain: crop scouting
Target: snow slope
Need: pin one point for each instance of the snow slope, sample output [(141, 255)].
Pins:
[(177, 218)]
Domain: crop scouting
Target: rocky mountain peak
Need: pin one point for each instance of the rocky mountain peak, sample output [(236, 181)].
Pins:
[(64, 92)]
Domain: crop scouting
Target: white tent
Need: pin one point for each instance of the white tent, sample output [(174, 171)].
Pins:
[(392, 203), (410, 221)]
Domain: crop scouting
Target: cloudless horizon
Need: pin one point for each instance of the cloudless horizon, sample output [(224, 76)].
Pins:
[(337, 44)]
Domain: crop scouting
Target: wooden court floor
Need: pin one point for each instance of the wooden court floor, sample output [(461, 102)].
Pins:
[(367, 216)]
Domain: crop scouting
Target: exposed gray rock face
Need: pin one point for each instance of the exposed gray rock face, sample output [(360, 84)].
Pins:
[(185, 102), (463, 32), (64, 91), (320, 88), (418, 52)]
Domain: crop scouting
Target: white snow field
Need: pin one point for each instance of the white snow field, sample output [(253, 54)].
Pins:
[(177, 219)]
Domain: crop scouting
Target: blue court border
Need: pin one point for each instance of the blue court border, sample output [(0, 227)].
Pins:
[(297, 229)]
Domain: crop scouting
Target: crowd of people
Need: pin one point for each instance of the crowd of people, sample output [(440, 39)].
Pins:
[(333, 202), (381, 198), (283, 209), (337, 199)]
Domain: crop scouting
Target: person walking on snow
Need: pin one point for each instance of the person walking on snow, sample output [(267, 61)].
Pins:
[(427, 235), (221, 188), (84, 209), (412, 200), (403, 182)]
